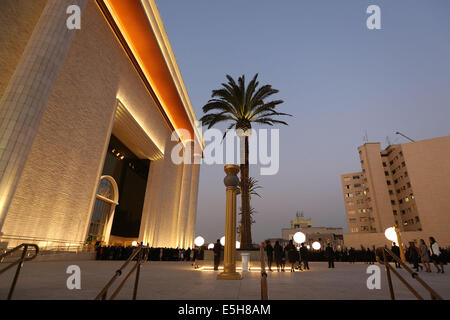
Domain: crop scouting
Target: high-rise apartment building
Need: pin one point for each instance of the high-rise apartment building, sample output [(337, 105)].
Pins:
[(404, 184)]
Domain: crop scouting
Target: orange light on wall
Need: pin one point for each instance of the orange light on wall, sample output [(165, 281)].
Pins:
[(129, 22)]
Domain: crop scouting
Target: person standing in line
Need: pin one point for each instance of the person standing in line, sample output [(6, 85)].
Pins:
[(396, 250), (436, 255), (304, 256), (424, 255), (351, 255), (269, 251), (292, 254), (217, 249), (330, 255), (278, 252)]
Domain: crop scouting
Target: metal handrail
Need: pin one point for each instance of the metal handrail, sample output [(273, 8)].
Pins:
[(19, 262), (414, 275), (141, 253), (264, 294)]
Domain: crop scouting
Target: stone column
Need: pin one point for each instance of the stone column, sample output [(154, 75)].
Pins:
[(183, 211), (26, 97), (192, 215), (231, 182)]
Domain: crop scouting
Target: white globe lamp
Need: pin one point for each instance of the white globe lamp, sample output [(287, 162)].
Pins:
[(199, 241), (316, 245), (299, 237)]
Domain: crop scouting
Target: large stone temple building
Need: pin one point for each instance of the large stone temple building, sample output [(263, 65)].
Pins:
[(89, 118)]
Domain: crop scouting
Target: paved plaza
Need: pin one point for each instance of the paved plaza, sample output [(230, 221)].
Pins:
[(178, 280)]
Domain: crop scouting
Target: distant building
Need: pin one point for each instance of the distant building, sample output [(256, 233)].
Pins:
[(405, 184), (323, 235), (300, 221)]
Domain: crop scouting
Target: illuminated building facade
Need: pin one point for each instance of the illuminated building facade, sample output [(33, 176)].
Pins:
[(87, 119)]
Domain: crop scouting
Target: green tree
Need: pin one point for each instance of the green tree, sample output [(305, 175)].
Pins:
[(240, 106)]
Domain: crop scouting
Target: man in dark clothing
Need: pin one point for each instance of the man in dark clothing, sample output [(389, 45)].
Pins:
[(396, 250), (330, 255), (217, 249), (304, 256), (269, 250)]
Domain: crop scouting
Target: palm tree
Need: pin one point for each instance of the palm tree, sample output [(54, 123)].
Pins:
[(240, 106), (252, 189)]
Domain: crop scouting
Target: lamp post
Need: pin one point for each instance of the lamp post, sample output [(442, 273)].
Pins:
[(231, 182), (400, 243)]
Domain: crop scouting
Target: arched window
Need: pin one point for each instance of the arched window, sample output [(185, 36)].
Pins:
[(103, 213)]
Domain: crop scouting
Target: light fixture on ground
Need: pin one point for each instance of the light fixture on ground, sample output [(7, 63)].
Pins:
[(299, 237), (211, 246), (199, 241), (134, 243), (316, 245), (222, 241), (238, 245)]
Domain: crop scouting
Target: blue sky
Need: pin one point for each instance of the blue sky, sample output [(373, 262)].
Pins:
[(339, 80)]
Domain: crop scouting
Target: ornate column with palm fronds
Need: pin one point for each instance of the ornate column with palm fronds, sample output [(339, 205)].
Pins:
[(240, 106)]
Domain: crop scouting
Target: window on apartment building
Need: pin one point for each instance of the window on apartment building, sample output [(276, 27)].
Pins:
[(391, 192), (406, 173), (364, 228), (384, 164), (400, 153), (363, 219), (394, 212), (352, 220), (402, 212), (355, 177), (408, 184), (348, 195), (404, 188), (392, 201), (395, 181), (357, 185), (347, 186), (386, 173), (417, 219), (358, 193), (351, 211), (396, 222), (411, 221), (400, 201), (403, 164), (347, 178), (388, 182), (354, 230), (391, 162), (409, 210), (393, 171), (398, 190)]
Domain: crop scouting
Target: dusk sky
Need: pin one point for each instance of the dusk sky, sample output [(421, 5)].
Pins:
[(338, 79)]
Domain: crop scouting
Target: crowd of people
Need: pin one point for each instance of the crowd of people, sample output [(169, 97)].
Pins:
[(298, 258), (294, 258), (154, 254)]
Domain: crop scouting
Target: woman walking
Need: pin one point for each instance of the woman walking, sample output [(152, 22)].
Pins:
[(424, 255), (436, 256)]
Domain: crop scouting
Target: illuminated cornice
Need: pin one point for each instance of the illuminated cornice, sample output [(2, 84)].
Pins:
[(138, 27)]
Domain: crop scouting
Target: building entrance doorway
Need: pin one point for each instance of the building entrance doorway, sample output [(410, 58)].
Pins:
[(103, 213)]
